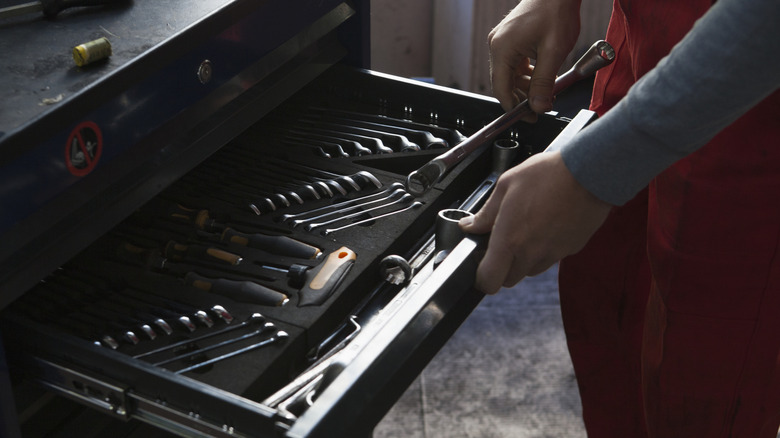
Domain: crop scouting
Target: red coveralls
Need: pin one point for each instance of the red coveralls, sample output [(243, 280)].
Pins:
[(672, 311)]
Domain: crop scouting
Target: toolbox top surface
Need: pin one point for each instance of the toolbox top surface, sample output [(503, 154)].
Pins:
[(82, 146), (39, 72)]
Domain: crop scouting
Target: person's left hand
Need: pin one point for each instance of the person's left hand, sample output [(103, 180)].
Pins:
[(537, 214)]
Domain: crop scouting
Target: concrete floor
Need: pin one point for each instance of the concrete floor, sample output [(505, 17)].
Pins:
[(505, 373)]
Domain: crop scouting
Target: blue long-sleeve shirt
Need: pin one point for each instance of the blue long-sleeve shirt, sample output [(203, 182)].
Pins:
[(727, 64)]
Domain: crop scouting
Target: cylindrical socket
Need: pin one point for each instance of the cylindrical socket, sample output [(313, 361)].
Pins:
[(504, 154), (448, 233)]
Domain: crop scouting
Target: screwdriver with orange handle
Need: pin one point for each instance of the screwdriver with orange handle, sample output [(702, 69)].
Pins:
[(51, 8)]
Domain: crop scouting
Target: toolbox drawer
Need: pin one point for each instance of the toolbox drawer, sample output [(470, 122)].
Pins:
[(245, 262)]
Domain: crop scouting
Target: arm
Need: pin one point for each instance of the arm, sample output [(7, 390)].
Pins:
[(727, 64), (542, 211)]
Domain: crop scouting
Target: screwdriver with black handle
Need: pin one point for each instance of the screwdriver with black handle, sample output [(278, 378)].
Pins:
[(242, 291), (51, 8)]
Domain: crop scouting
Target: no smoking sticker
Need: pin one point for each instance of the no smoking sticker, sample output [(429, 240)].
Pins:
[(83, 149)]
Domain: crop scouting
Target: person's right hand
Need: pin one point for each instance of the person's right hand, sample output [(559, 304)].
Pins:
[(542, 30)]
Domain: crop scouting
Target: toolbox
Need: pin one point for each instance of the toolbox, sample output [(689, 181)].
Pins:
[(206, 232)]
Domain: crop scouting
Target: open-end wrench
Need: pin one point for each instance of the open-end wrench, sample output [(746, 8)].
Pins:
[(277, 337), (351, 147), (396, 142), (376, 145), (434, 136), (421, 180), (228, 164), (322, 148), (413, 205), (343, 204), (402, 200), (368, 177), (395, 194), (289, 174), (420, 139)]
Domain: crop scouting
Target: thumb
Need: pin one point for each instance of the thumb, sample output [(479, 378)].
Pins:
[(542, 82), (482, 222)]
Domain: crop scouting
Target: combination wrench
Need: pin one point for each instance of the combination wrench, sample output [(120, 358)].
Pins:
[(343, 204), (405, 197), (392, 196), (421, 180)]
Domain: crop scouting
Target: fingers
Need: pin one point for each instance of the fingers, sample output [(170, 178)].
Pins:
[(497, 263), (540, 90), (494, 268), (508, 75)]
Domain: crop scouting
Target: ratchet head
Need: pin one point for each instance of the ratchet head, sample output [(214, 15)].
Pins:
[(422, 179)]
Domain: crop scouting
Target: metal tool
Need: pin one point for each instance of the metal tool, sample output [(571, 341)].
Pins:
[(421, 180), (395, 269), (352, 147), (405, 197), (422, 139), (222, 313), (314, 371), (412, 206), (277, 337), (51, 8), (395, 194), (350, 180), (253, 319), (437, 136), (238, 172), (266, 327), (343, 204), (396, 142), (374, 144), (448, 232), (326, 186)]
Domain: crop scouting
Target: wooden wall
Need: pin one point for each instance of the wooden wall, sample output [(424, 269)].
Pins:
[(447, 39)]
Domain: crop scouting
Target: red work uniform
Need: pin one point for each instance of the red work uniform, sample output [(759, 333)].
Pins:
[(672, 311)]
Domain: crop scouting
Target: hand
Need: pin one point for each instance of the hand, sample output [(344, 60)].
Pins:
[(538, 214), (544, 30)]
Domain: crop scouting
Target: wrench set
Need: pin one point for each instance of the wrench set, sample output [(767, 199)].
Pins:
[(264, 259), (233, 256), (231, 245)]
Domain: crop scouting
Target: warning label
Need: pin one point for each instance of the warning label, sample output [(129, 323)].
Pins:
[(83, 148)]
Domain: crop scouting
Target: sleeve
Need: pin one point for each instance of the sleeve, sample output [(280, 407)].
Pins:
[(725, 65)]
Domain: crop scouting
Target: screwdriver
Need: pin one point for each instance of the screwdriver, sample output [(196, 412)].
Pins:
[(50, 8), (279, 245)]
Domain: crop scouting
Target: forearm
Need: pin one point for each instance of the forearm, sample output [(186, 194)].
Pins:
[(727, 64)]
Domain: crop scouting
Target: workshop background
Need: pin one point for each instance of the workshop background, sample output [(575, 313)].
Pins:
[(506, 372)]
